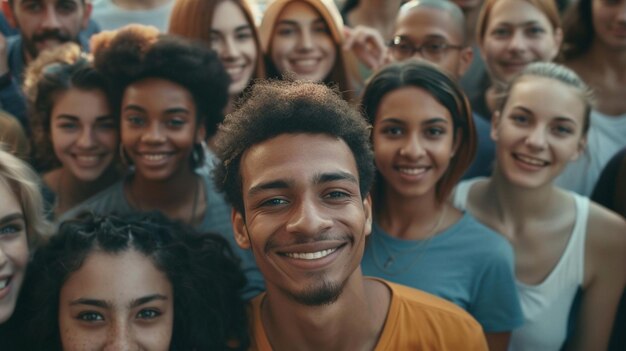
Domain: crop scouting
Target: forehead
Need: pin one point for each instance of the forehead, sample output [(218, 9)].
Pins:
[(299, 158), (228, 15), (9, 203), (547, 97), (423, 21), (157, 92), (299, 11), (516, 12), (411, 104), (118, 277)]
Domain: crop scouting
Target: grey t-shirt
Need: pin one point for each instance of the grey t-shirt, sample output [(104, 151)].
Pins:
[(216, 220)]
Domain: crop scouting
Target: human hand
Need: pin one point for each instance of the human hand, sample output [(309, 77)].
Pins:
[(367, 44)]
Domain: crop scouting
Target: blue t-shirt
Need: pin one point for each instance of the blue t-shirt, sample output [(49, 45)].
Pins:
[(468, 264)]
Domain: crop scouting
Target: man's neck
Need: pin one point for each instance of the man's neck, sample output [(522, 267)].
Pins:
[(353, 322)]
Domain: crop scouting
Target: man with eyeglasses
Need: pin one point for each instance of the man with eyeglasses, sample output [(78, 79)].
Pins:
[(434, 31)]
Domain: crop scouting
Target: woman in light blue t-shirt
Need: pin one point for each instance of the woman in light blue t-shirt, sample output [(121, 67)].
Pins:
[(424, 140)]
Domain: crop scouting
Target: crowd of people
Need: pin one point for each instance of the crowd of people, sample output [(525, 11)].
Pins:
[(313, 175)]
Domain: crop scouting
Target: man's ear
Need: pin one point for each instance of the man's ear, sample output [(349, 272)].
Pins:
[(8, 13), (86, 14), (240, 230), (465, 60), (495, 122), (367, 207)]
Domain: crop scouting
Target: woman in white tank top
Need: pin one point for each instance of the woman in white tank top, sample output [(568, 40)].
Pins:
[(562, 241)]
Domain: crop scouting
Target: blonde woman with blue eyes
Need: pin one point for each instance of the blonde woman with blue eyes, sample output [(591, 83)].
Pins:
[(22, 226), (563, 242)]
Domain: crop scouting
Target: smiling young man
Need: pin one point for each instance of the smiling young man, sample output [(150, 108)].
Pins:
[(297, 166)]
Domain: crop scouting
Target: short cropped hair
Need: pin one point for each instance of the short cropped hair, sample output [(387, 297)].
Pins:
[(558, 73), (447, 92), (282, 107), (203, 271), (25, 185), (137, 52)]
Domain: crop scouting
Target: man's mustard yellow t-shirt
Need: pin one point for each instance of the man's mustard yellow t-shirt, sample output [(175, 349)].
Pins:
[(415, 321)]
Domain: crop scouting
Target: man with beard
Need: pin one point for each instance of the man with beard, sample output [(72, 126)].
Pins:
[(297, 166), (42, 24)]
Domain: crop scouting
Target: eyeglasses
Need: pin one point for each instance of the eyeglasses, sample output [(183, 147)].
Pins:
[(433, 50)]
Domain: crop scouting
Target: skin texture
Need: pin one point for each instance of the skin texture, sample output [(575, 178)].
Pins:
[(158, 126), (520, 202), (13, 251), (413, 142), (83, 133), (609, 22), (116, 302), (289, 210), (232, 38), (47, 23), (301, 43), (423, 24), (301, 195), (539, 131), (517, 34)]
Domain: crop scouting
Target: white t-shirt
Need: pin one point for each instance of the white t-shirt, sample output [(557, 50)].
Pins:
[(606, 136), (110, 16)]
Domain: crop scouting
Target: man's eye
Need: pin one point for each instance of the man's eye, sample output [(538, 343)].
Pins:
[(337, 194), (148, 314), (435, 47), (274, 202), (90, 316)]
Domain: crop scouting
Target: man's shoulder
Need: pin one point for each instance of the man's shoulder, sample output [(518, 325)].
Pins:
[(418, 320)]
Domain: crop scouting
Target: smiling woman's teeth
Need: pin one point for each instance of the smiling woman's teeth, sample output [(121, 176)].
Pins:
[(310, 255), (411, 171), (155, 157)]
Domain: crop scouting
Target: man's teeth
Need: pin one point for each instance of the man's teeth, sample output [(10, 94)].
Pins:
[(532, 161), (154, 157), (310, 255), (4, 283)]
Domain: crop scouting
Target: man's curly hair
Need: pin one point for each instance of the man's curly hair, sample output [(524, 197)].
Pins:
[(281, 107)]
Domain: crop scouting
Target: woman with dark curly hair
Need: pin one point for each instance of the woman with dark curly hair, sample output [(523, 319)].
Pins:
[(170, 92), (75, 132), (22, 226), (134, 282)]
